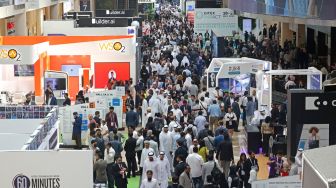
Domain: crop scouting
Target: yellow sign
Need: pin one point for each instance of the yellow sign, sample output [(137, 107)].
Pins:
[(10, 54), (112, 46)]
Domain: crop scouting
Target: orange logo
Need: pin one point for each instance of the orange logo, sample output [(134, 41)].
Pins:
[(12, 53)]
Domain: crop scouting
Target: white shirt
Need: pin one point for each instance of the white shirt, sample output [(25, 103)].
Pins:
[(200, 122), (109, 157), (166, 142), (195, 162), (139, 143), (152, 184), (155, 103), (188, 139)]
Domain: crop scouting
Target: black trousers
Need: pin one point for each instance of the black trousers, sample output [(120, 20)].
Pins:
[(139, 156), (78, 141), (110, 177), (265, 143), (132, 166)]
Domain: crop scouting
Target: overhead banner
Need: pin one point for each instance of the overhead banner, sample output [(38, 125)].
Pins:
[(36, 169), (115, 13), (222, 21), (190, 10)]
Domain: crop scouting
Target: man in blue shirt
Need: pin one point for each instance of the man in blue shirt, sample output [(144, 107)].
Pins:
[(214, 114), (220, 127), (219, 139)]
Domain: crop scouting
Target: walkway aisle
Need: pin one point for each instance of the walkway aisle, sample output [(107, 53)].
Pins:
[(240, 145)]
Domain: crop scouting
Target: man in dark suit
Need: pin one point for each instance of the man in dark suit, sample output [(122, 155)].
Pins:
[(129, 147), (52, 100), (111, 119), (251, 163), (236, 110), (225, 152), (77, 130), (185, 107), (180, 166), (119, 169), (67, 101), (180, 151), (132, 118)]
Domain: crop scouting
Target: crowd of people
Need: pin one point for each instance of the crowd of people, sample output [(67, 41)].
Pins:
[(180, 134)]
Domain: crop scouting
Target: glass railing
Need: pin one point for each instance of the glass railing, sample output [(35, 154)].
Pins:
[(42, 131), (4, 3)]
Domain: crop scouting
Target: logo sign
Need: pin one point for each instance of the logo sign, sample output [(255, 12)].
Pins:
[(102, 22), (115, 13), (21, 181), (314, 103), (11, 54), (112, 46), (233, 70)]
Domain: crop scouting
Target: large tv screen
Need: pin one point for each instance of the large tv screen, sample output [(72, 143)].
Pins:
[(23, 70), (238, 84), (56, 83)]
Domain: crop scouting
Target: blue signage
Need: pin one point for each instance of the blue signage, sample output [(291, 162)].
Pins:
[(115, 102)]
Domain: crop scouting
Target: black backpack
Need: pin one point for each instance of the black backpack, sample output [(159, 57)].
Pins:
[(216, 174), (158, 124)]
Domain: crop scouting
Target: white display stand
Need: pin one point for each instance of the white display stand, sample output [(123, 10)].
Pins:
[(314, 79), (98, 101)]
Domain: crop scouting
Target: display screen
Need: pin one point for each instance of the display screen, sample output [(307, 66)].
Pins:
[(56, 83), (315, 82), (281, 84), (71, 70), (23, 70), (237, 84)]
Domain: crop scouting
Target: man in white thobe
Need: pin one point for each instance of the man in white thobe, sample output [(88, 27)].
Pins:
[(155, 104), (166, 143), (164, 170), (151, 164), (144, 113), (145, 152), (149, 181)]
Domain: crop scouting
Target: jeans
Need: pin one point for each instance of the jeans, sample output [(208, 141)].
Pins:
[(198, 182)]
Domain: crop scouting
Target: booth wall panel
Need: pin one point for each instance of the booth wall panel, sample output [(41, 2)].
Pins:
[(12, 83), (56, 63), (102, 69)]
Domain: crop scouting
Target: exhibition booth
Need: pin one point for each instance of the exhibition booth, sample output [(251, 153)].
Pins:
[(240, 75), (279, 81), (68, 63)]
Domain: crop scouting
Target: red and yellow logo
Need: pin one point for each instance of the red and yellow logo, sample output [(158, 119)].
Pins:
[(112, 46)]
